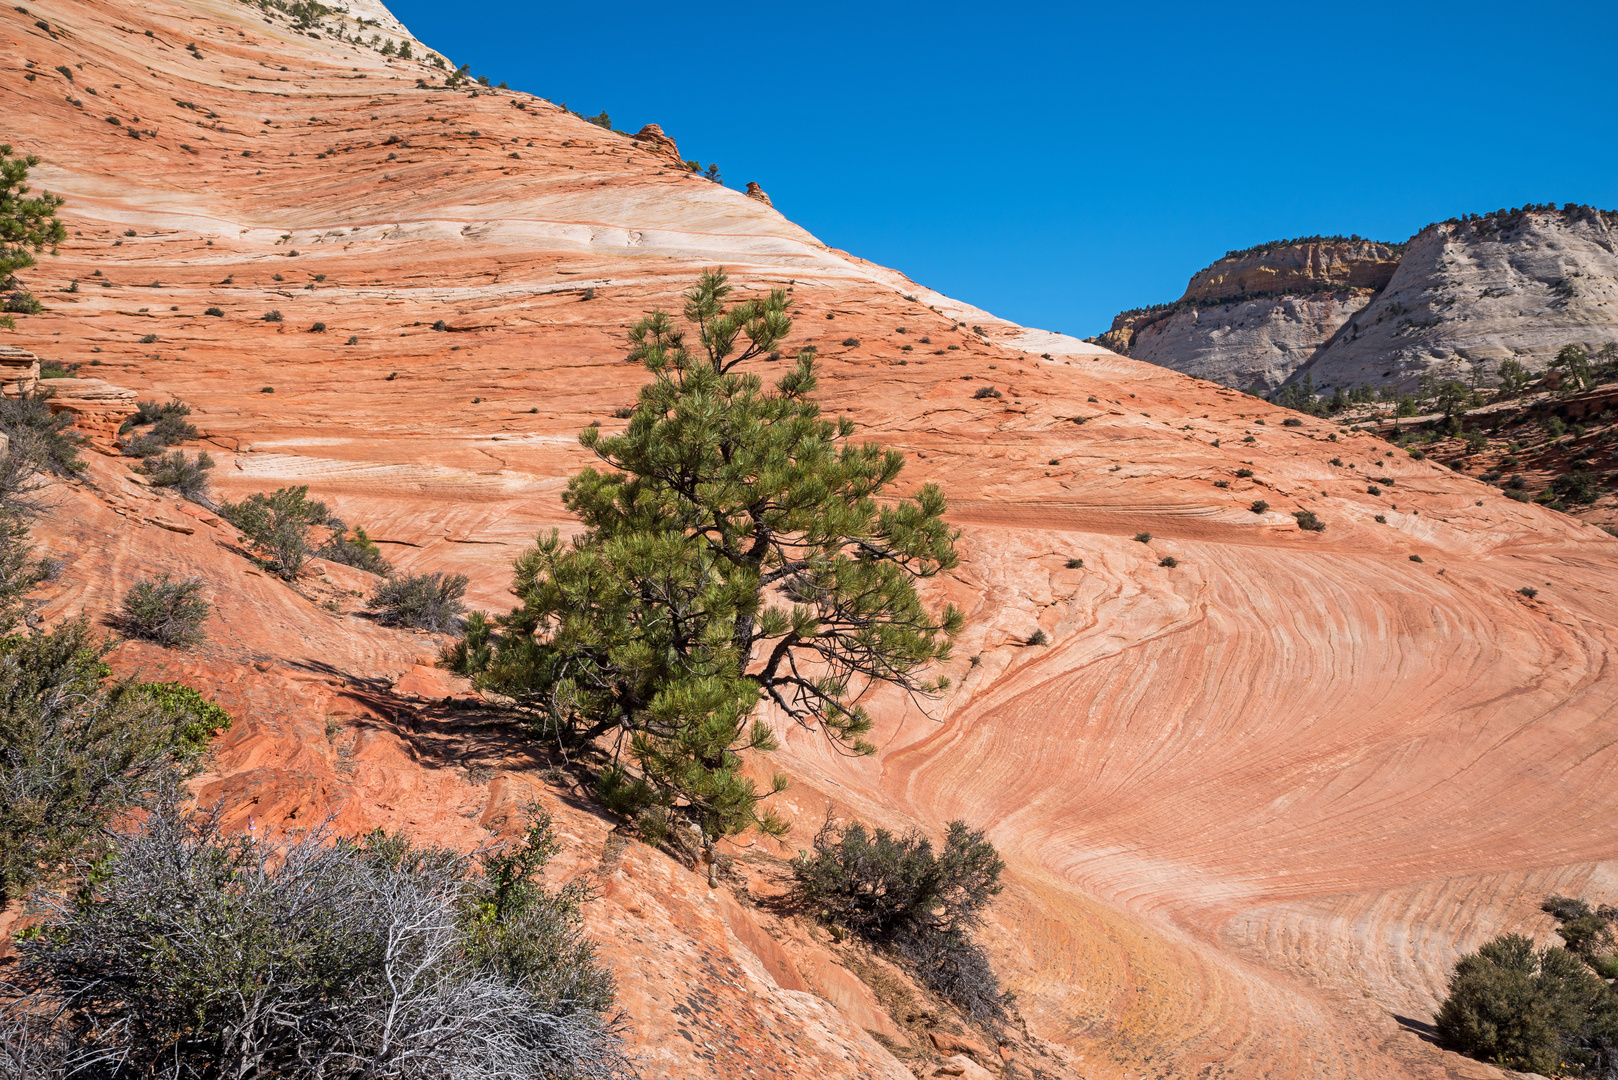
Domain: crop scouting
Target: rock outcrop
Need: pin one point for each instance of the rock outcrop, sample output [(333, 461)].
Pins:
[(1453, 302), (756, 192), (19, 370), (1469, 294), (1254, 317), (1252, 805)]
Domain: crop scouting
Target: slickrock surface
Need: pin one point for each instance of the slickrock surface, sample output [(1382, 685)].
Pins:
[(1467, 296), (1253, 805)]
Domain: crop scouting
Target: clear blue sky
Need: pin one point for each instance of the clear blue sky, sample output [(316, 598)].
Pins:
[(1055, 163)]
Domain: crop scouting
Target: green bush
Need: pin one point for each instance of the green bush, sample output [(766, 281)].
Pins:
[(1307, 521), (76, 751), (1143, 538), (1169, 561), (214, 311), (895, 892), (1259, 506), (194, 716), (1538, 1011), (28, 225), (1577, 487), (173, 470), (44, 436), (355, 549), (277, 526), (1039, 637), (167, 423), (1075, 564), (1243, 474), (168, 611), (1529, 591), (424, 601), (313, 957), (272, 316)]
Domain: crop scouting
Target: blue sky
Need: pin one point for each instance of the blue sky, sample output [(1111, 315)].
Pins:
[(1055, 163)]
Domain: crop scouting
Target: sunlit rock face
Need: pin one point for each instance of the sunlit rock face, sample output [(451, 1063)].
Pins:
[(1253, 805)]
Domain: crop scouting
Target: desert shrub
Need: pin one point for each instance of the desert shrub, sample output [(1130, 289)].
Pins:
[(1372, 489), (1516, 482), (440, 325), (895, 892), (272, 316), (1307, 521), (148, 339), (214, 311), (196, 718), (76, 751), (318, 328), (1075, 564), (1417, 558), (1577, 487), (1259, 506), (166, 423), (309, 956), (985, 392), (1418, 454), (1381, 519), (354, 548), (851, 342), (188, 476), (1243, 474), (1529, 591), (1039, 637), (1221, 483), (623, 412), (1169, 561), (1291, 421), (1532, 1010), (277, 525), (1143, 538), (45, 437), (168, 611), (424, 601)]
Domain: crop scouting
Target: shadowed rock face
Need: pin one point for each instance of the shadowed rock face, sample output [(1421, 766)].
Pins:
[(1253, 806)]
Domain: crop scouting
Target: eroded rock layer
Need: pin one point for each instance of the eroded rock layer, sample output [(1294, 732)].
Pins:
[(1253, 804)]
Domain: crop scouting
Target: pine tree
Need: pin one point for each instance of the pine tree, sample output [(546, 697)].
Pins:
[(25, 223), (735, 551)]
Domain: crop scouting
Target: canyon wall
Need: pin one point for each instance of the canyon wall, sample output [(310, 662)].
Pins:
[(1254, 317), (1456, 300), (1470, 294), (1253, 802)]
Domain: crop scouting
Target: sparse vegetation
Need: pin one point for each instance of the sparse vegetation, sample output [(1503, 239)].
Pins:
[(1143, 538), (166, 425), (168, 611), (896, 893), (1308, 522), (353, 547), (44, 437), (277, 526), (1038, 637), (985, 392), (76, 751), (188, 477), (1075, 564), (431, 602), (1169, 561), (272, 316), (28, 224), (1529, 591), (365, 956), (1259, 506)]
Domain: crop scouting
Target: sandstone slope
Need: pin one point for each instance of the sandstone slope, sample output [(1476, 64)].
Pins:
[(1253, 804)]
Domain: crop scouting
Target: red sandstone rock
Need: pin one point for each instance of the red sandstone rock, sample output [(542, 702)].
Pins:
[(1252, 807)]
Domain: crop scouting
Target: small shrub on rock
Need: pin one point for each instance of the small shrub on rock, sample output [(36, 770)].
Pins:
[(1243, 474), (985, 392), (1259, 506), (1169, 561), (1039, 637), (429, 602), (1143, 538), (1291, 421), (895, 892), (214, 311), (1075, 564), (45, 437), (354, 548), (851, 342), (1307, 521), (168, 611), (173, 470), (272, 316), (1529, 591), (277, 526)]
